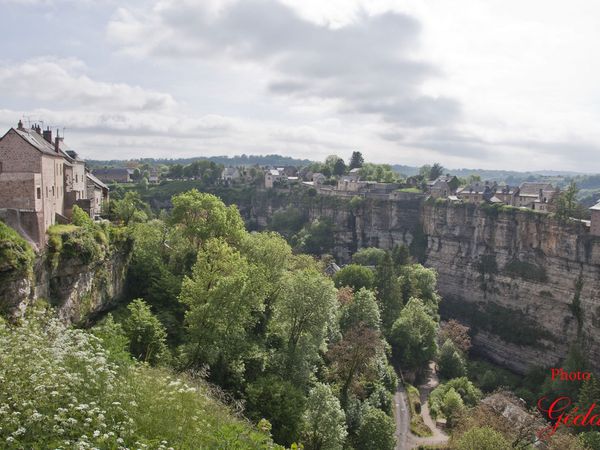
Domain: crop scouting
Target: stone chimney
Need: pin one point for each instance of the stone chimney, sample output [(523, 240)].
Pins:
[(57, 143), (20, 125), (48, 135)]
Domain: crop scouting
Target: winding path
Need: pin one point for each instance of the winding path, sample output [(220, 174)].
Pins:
[(405, 440)]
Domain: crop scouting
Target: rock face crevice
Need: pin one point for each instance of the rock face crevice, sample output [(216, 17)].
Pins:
[(75, 289)]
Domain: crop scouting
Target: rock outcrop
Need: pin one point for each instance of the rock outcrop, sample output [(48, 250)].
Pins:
[(76, 289)]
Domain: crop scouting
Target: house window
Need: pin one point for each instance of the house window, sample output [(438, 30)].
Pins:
[(0, 167), (76, 178), (39, 193)]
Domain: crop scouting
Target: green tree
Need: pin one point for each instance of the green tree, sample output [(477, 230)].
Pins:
[(567, 204), (420, 282), (129, 209), (482, 438), (451, 362), (452, 406), (281, 403), (147, 336), (222, 297), (324, 421), (317, 238), (413, 336), (356, 161), (370, 256), (376, 431), (389, 292), (361, 310), (339, 168), (355, 276), (202, 216), (400, 255), (305, 308), (437, 170)]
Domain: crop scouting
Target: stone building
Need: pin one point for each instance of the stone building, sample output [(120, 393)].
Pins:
[(97, 194), (443, 186), (113, 175), (41, 179), (537, 196), (272, 176), (595, 220), (477, 192)]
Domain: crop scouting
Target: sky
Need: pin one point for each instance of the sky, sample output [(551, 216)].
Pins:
[(468, 83)]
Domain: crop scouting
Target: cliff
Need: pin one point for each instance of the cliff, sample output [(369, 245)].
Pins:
[(527, 285), (77, 286)]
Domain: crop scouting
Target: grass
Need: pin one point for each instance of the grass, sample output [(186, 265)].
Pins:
[(66, 388), (417, 426), (62, 229), (411, 190)]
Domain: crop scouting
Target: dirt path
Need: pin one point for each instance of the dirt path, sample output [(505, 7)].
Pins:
[(405, 440)]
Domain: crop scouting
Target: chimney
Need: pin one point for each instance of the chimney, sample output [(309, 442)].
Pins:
[(48, 135), (56, 143), (20, 125)]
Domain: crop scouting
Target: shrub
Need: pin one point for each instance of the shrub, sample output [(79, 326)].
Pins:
[(146, 334), (16, 255), (482, 438), (354, 276), (59, 389), (451, 362)]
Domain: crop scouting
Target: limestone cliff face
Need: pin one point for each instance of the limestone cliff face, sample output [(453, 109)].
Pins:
[(77, 290), (527, 284)]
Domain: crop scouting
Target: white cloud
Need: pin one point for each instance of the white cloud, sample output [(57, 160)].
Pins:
[(60, 82)]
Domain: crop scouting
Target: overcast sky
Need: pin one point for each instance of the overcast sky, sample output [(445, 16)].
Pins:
[(501, 84)]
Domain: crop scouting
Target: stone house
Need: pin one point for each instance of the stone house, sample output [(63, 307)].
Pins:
[(477, 192), (443, 186), (507, 194), (41, 179), (230, 174), (97, 194), (537, 196), (32, 180), (113, 175), (595, 220), (272, 176)]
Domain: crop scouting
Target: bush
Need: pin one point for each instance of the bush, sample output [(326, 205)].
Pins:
[(59, 389), (16, 255), (451, 362), (146, 334), (370, 256), (376, 431), (481, 439), (80, 218), (354, 276)]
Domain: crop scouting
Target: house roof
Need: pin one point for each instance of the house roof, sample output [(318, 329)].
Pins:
[(37, 141), (274, 172), (596, 207), (96, 181), (533, 189), (355, 170), (476, 188)]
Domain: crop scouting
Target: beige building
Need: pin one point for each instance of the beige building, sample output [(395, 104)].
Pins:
[(595, 220), (537, 196)]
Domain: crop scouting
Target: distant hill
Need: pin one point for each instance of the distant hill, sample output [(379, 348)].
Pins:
[(238, 160)]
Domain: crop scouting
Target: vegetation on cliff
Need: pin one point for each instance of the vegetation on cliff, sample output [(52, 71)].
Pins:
[(16, 255)]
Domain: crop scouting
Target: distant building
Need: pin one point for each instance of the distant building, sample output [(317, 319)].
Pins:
[(443, 186), (537, 196), (477, 192), (595, 220), (97, 194), (154, 176), (507, 194), (230, 174), (272, 176), (318, 178), (113, 175)]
